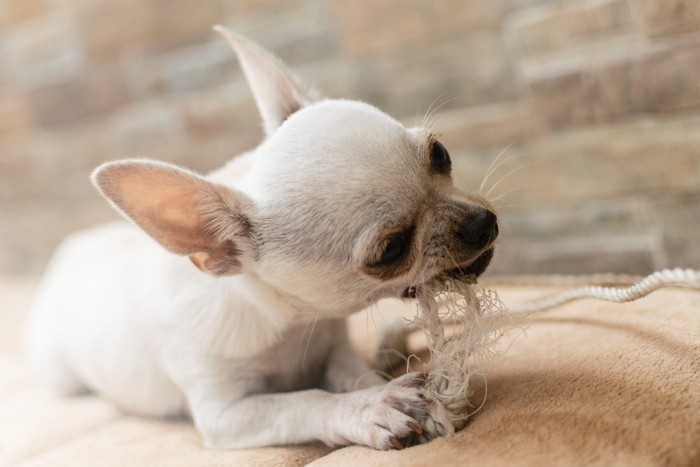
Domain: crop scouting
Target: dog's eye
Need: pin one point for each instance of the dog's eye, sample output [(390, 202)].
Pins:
[(394, 248), (440, 158)]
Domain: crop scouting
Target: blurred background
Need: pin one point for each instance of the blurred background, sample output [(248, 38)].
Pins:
[(594, 103)]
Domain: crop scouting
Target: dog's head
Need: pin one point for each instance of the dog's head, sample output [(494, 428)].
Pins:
[(342, 205)]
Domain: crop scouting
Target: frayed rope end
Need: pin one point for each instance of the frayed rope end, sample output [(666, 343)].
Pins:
[(462, 326)]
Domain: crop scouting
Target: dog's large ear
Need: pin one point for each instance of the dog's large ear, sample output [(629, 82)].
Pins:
[(183, 212), (276, 92)]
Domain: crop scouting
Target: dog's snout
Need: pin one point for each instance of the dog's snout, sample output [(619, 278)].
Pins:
[(479, 230)]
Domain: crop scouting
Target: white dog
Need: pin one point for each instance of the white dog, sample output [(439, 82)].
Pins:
[(340, 206)]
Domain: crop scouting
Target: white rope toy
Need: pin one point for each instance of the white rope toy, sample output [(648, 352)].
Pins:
[(685, 278), (483, 318)]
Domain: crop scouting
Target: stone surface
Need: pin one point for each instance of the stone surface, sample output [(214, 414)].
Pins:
[(679, 219), (229, 113), (640, 156), (18, 11), (604, 254), (109, 27), (568, 26), (473, 69), (487, 126), (95, 92), (44, 51), (612, 236), (16, 174), (363, 25), (15, 115), (666, 80), (595, 105), (667, 17), (659, 80)]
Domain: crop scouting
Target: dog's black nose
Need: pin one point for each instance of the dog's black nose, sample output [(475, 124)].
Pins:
[(479, 230)]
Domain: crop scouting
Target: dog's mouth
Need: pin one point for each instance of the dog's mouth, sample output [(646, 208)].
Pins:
[(474, 267)]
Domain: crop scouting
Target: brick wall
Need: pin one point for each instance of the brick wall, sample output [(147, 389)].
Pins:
[(595, 103)]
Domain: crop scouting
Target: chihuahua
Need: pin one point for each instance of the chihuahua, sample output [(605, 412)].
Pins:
[(338, 207)]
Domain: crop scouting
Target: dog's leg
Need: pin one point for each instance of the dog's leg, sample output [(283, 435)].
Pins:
[(381, 417), (229, 414), (346, 370), (392, 353)]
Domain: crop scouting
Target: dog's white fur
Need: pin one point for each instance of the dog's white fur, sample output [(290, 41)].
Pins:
[(288, 236)]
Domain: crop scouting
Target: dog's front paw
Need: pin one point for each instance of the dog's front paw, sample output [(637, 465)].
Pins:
[(389, 416), (438, 421)]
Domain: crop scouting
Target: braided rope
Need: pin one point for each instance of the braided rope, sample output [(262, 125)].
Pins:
[(684, 278)]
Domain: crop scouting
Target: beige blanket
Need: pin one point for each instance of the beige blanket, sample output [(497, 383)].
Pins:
[(588, 383)]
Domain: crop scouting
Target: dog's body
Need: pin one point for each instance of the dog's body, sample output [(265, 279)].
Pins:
[(339, 207)]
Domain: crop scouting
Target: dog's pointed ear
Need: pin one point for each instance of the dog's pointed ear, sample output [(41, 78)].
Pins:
[(276, 92), (182, 211)]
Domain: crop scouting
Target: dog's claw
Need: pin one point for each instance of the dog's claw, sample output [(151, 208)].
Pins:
[(397, 444), (415, 427)]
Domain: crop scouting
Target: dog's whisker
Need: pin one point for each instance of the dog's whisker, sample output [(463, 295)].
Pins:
[(306, 328), (519, 206), (435, 117), (493, 170), (429, 111), (512, 190), (431, 123), (306, 350), (508, 174), (430, 107), (474, 189), (494, 162), (452, 258)]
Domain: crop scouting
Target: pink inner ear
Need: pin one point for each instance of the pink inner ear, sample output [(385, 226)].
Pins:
[(182, 211), (163, 201)]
